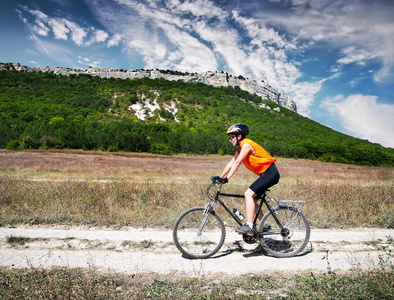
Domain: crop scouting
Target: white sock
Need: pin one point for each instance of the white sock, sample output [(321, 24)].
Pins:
[(250, 225)]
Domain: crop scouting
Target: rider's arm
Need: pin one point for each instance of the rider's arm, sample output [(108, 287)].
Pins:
[(228, 166), (246, 149)]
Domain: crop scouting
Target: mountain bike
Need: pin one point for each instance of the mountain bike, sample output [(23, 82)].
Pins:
[(283, 231)]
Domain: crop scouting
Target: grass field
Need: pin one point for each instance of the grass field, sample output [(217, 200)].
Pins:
[(143, 190), (65, 283)]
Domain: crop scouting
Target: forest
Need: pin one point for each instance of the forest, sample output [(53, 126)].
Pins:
[(43, 110)]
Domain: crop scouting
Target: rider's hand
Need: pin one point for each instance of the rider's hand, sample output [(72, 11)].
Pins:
[(223, 180)]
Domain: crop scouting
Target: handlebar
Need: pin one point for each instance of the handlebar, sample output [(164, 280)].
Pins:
[(218, 179), (215, 179)]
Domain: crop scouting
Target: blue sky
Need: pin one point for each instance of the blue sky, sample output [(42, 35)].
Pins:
[(335, 58)]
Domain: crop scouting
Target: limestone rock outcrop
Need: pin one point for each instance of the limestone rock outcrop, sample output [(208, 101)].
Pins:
[(216, 79)]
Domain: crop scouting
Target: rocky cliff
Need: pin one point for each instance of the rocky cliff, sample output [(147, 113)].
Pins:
[(217, 79)]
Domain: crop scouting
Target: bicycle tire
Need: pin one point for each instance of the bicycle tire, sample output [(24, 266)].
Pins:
[(286, 242), (187, 240)]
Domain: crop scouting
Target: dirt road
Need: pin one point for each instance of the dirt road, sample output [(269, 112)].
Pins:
[(133, 251)]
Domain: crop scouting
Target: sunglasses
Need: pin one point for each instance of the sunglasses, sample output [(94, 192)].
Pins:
[(232, 136)]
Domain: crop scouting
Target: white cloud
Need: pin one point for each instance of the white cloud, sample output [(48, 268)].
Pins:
[(52, 51), (63, 28), (363, 29), (187, 41), (199, 8), (98, 36), (59, 29), (85, 62), (304, 95), (31, 52), (363, 117), (260, 34), (78, 34), (20, 16), (224, 43), (40, 28), (266, 58), (114, 40), (351, 54), (40, 15), (162, 37)]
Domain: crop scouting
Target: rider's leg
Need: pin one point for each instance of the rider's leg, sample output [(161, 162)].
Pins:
[(250, 210), (266, 180), (250, 205)]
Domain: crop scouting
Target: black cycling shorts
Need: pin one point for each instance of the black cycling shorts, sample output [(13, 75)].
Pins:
[(266, 180)]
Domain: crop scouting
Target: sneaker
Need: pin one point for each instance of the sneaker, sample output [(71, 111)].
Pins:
[(244, 229)]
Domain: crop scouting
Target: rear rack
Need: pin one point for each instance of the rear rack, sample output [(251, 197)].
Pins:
[(291, 203)]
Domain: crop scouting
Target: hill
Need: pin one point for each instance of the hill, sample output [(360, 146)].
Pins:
[(217, 79), (80, 111)]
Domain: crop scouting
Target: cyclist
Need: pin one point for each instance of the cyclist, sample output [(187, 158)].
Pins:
[(255, 159)]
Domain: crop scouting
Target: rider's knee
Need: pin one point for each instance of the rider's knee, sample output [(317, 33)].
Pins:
[(249, 194)]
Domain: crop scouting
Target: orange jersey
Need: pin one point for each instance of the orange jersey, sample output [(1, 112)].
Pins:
[(258, 162)]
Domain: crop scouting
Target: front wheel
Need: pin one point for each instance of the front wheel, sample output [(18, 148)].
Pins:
[(198, 234), (289, 240)]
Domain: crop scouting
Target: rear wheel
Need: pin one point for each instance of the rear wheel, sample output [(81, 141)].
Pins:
[(198, 234), (289, 240)]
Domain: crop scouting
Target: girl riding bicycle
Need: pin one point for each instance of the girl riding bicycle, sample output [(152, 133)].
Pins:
[(255, 159)]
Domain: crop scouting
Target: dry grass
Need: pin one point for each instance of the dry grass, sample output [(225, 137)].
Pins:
[(66, 283), (118, 189)]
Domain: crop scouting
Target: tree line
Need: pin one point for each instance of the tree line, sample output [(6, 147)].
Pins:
[(45, 110)]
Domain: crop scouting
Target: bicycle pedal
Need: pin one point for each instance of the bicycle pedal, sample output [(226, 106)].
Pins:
[(244, 229)]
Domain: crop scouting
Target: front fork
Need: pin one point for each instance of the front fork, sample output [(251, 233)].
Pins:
[(206, 213), (209, 207)]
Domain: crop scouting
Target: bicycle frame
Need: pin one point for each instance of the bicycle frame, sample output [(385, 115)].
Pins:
[(262, 198)]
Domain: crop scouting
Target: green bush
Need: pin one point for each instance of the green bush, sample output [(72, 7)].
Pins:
[(13, 145), (158, 148)]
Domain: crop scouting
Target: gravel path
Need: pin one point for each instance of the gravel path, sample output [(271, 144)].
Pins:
[(133, 251)]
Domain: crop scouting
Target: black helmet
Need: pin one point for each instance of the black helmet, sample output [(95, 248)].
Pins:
[(238, 129)]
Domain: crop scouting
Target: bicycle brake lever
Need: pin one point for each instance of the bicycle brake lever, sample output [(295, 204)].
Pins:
[(215, 179)]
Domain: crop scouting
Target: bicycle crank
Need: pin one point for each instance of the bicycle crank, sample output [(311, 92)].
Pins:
[(250, 239)]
